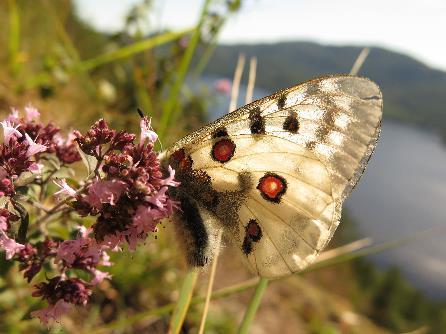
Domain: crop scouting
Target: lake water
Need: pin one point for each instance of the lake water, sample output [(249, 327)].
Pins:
[(402, 192)]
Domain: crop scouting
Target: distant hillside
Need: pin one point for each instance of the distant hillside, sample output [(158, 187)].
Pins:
[(413, 92)]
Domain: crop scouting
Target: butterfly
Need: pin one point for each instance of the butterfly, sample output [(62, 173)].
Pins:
[(273, 174)]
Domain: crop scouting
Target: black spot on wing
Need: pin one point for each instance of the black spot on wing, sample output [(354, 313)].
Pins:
[(291, 123), (281, 102), (257, 123), (310, 145), (220, 132)]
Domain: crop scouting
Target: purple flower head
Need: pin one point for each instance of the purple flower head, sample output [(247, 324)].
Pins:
[(31, 258), (13, 158), (9, 131), (99, 134), (66, 150), (122, 139), (6, 187)]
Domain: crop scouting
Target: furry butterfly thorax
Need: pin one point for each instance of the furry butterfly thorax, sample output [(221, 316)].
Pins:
[(273, 174)]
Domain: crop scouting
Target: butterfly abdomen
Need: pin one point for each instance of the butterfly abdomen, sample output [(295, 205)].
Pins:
[(193, 233)]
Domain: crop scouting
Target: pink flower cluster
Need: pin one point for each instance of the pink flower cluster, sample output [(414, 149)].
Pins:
[(127, 194)]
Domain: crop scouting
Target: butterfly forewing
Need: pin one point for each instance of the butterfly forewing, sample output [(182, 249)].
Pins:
[(273, 174)]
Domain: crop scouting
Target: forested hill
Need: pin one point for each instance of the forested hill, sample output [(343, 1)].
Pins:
[(412, 91)]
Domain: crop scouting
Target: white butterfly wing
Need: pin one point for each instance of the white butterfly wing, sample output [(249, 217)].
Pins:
[(274, 173)]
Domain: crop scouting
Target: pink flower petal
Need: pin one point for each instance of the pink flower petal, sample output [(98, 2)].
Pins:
[(3, 224), (159, 199), (170, 180), (65, 189), (105, 192), (144, 219), (146, 131), (10, 246), (9, 131), (33, 147), (31, 113), (99, 276), (13, 117), (223, 86), (36, 168)]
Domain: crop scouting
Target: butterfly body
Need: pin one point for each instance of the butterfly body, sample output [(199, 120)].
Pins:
[(274, 173)]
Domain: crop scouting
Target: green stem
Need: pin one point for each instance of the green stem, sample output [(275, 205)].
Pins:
[(182, 306), (169, 110), (253, 306), (24, 217)]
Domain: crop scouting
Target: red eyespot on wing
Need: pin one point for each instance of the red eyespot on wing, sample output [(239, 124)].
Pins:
[(253, 230), (272, 187), (178, 155), (184, 162), (223, 150), (253, 233)]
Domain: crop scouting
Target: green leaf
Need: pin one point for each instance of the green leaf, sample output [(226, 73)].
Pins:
[(89, 161), (24, 179)]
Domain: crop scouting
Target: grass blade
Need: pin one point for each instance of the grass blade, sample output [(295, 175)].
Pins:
[(14, 37), (170, 109), (253, 306), (132, 49), (210, 284), (359, 61)]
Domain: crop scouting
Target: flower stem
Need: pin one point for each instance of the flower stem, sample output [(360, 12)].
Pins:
[(253, 306), (182, 306), (55, 208)]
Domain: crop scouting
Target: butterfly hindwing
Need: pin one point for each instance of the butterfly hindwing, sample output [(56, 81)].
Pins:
[(274, 174)]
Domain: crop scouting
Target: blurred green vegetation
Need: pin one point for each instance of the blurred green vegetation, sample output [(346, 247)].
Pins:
[(75, 74)]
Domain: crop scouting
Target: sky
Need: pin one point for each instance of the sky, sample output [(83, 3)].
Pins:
[(416, 28)]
